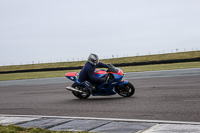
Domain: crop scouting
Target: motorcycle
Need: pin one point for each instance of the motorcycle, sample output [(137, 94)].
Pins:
[(114, 84)]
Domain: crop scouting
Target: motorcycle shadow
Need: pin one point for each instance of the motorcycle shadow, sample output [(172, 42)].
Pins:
[(103, 98)]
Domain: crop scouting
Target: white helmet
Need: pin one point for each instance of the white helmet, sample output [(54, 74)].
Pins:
[(93, 59)]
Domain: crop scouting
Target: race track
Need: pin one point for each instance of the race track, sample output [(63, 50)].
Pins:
[(161, 95)]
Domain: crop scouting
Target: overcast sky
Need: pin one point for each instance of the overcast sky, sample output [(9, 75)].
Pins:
[(60, 30)]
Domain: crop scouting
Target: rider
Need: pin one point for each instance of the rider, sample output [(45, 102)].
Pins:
[(87, 72)]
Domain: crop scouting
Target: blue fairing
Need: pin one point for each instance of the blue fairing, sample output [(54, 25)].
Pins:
[(117, 77), (106, 89), (123, 82), (100, 75)]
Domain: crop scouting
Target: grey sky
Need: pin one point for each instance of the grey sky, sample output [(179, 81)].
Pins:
[(57, 30)]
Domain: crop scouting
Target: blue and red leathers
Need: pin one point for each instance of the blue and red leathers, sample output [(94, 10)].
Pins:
[(87, 73)]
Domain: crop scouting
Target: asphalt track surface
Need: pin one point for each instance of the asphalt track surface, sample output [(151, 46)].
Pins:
[(160, 95)]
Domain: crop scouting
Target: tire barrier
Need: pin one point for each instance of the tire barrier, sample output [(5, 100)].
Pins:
[(116, 65)]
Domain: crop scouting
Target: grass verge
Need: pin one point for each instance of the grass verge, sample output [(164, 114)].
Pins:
[(147, 58), (18, 129), (32, 75)]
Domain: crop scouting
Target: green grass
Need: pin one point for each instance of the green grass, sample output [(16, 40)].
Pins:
[(32, 75), (182, 55), (18, 129)]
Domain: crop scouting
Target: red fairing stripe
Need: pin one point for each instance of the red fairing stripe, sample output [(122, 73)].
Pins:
[(71, 74), (119, 73)]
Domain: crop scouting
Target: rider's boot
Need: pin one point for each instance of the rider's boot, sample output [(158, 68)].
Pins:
[(93, 88)]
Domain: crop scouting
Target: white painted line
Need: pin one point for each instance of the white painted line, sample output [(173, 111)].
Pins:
[(14, 120), (107, 119), (171, 128)]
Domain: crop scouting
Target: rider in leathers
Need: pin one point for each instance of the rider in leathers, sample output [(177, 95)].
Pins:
[(87, 72)]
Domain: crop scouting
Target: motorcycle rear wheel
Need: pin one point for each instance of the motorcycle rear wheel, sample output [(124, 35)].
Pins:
[(126, 90), (80, 95)]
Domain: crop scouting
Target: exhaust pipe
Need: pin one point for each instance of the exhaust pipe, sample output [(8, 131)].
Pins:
[(69, 88)]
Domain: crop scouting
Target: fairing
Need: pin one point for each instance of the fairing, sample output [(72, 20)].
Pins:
[(72, 76), (123, 82)]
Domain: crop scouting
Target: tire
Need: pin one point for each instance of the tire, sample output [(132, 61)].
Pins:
[(80, 95), (126, 90)]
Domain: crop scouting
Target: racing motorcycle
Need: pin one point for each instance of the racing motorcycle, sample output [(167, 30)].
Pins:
[(114, 84)]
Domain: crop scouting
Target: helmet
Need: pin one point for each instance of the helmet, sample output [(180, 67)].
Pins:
[(93, 59)]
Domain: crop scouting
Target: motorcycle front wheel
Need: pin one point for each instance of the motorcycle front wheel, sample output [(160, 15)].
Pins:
[(80, 95), (126, 90)]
